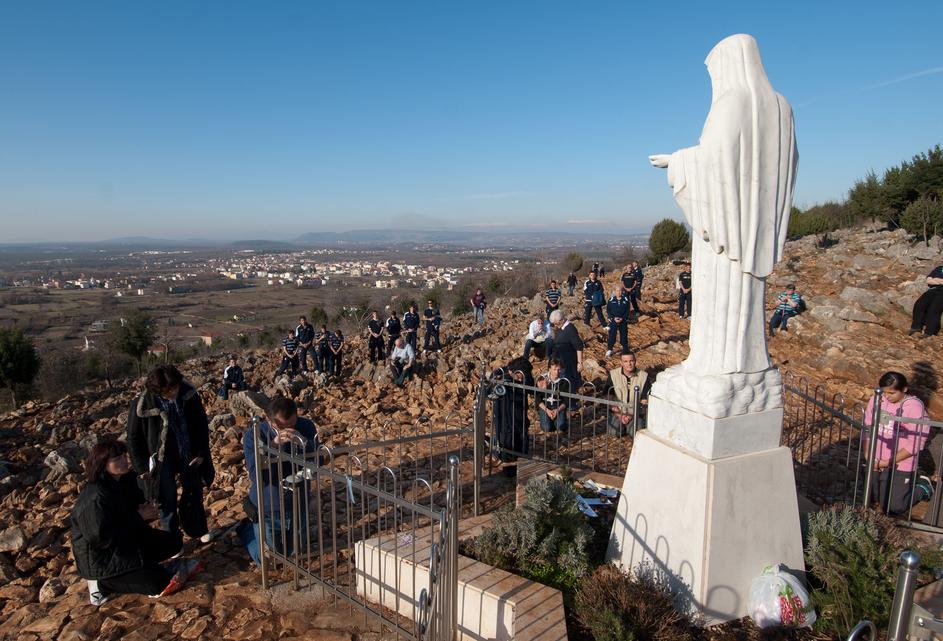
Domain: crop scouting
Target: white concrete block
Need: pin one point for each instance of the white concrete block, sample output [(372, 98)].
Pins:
[(712, 525), (714, 438)]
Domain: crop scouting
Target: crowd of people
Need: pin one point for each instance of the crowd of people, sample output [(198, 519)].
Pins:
[(143, 494)]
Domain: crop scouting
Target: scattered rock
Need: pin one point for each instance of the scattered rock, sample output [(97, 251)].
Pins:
[(13, 539)]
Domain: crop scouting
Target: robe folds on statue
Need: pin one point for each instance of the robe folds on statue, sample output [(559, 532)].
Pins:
[(735, 188)]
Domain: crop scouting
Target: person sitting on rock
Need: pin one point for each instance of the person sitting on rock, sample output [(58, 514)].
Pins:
[(538, 338), (929, 307), (623, 381), (550, 409), (291, 435), (787, 306), (895, 484), (233, 379), (115, 549), (289, 352), (168, 438), (336, 347), (402, 360)]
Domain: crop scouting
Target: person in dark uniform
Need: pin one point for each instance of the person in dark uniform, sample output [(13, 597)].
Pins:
[(393, 330), (304, 334), (617, 309), (289, 355), (636, 294), (593, 299), (684, 292), (596, 269), (929, 307), (552, 298), (568, 347), (375, 328), (336, 347), (322, 344), (628, 281), (570, 284), (411, 326), (433, 322)]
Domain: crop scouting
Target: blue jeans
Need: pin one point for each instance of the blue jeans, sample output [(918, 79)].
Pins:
[(548, 425), (249, 536), (684, 300), (479, 315), (780, 318)]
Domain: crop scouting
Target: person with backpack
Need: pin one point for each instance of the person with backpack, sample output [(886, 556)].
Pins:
[(593, 299)]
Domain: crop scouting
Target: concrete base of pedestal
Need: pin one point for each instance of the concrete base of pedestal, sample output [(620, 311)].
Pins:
[(711, 525)]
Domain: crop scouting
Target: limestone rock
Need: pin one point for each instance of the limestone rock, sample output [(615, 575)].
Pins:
[(13, 539), (222, 420), (248, 404)]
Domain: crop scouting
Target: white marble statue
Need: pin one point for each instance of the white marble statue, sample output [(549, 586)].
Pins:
[(735, 188)]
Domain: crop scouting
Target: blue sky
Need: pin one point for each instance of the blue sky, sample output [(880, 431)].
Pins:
[(241, 120)]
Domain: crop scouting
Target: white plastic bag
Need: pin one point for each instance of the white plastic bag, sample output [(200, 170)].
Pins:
[(777, 598)]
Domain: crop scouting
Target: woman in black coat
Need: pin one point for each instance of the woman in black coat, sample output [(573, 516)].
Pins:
[(114, 548), (168, 439)]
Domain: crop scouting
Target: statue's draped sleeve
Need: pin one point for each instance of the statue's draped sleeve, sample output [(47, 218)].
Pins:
[(724, 187)]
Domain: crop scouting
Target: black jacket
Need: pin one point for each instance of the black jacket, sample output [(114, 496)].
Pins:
[(106, 528), (148, 425)]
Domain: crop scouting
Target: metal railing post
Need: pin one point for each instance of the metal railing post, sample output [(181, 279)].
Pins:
[(903, 596), (635, 402), (478, 431), (452, 587), (260, 501), (859, 629), (872, 445)]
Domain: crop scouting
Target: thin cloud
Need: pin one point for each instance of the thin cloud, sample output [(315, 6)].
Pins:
[(879, 85), (496, 196), (588, 221)]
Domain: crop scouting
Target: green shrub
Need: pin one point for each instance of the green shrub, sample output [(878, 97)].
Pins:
[(572, 262), (546, 538), (639, 606), (668, 237), (852, 555), (923, 217)]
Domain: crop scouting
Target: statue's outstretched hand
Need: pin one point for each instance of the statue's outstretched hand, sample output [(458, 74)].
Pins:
[(659, 160)]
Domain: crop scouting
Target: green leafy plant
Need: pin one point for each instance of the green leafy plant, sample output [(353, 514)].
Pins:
[(546, 537), (638, 606), (852, 554)]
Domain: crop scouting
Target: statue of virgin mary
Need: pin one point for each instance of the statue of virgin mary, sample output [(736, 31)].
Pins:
[(735, 189)]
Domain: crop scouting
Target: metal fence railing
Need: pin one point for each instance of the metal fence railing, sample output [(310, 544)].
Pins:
[(583, 429), (316, 506), (837, 461)]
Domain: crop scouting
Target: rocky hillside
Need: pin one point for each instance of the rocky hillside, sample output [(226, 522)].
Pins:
[(859, 293)]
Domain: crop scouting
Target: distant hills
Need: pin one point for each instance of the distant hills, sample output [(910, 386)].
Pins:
[(491, 237)]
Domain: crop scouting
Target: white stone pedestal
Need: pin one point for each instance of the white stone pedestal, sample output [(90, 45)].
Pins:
[(696, 505)]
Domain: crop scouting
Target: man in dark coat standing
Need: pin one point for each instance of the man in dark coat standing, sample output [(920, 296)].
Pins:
[(568, 347), (168, 439)]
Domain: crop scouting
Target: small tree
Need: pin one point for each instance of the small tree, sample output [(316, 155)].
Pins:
[(19, 361), (317, 316), (668, 237), (923, 217), (134, 335), (572, 262)]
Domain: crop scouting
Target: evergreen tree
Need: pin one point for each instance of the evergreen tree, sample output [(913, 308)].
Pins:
[(134, 335), (668, 237), (19, 361)]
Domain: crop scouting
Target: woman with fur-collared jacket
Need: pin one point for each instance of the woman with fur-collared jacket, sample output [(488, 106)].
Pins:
[(168, 437)]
